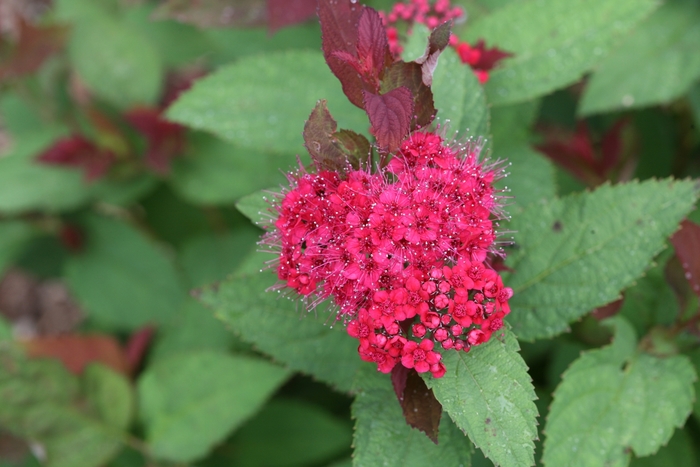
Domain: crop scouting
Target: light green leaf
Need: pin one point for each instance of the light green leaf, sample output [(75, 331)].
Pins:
[(489, 395), (256, 206), (26, 184), (459, 97), (262, 102), (577, 253), (43, 402), (658, 62), (416, 43), (216, 172), (615, 399), (531, 178), (553, 42), (121, 278), (382, 436), (190, 402), (303, 341), (303, 434), (115, 61), (14, 235), (110, 394)]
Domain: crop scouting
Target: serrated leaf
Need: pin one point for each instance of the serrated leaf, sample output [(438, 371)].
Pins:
[(489, 395), (43, 402), (14, 235), (577, 253), (244, 102), (678, 452), (615, 399), (656, 63), (191, 401), (390, 115), (382, 436), (553, 43), (304, 434), (121, 278), (531, 178), (410, 76), (26, 184), (115, 61), (213, 171), (459, 97), (281, 328)]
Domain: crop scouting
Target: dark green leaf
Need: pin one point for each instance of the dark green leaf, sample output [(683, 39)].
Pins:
[(657, 63), (308, 342), (678, 452), (553, 43), (577, 253), (190, 402), (489, 395), (14, 235), (382, 436), (121, 278), (110, 395)]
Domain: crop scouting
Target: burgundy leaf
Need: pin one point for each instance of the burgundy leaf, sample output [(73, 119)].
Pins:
[(137, 347), (76, 151), (686, 242), (339, 31), (488, 58), (372, 47), (214, 13), (390, 116), (281, 13), (165, 139), (77, 351), (606, 311), (420, 407), (399, 375), (72, 237), (329, 149), (34, 46), (611, 146), (410, 75), (439, 39)]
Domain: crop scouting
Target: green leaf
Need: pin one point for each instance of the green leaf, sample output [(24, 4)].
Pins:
[(531, 177), (191, 402), (43, 402), (256, 206), (553, 43), (121, 278), (459, 97), (124, 192), (217, 172), (115, 61), (210, 258), (262, 102), (489, 395), (382, 436), (615, 399), (511, 124), (110, 394), (281, 328), (14, 235), (694, 100), (27, 185), (303, 434), (678, 453), (577, 253), (416, 43), (657, 62)]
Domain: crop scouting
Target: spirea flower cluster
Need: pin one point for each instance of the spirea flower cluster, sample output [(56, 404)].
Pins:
[(402, 253)]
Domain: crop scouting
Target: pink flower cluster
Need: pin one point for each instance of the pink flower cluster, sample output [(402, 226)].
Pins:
[(481, 59), (402, 252)]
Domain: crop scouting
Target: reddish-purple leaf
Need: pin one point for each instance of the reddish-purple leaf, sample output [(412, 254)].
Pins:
[(420, 407), (214, 13), (76, 151), (339, 23), (372, 47), (612, 147), (410, 75), (77, 351), (281, 13), (607, 311), (330, 149), (137, 347), (390, 115), (34, 46), (399, 374), (686, 242), (488, 58), (439, 39), (165, 140)]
